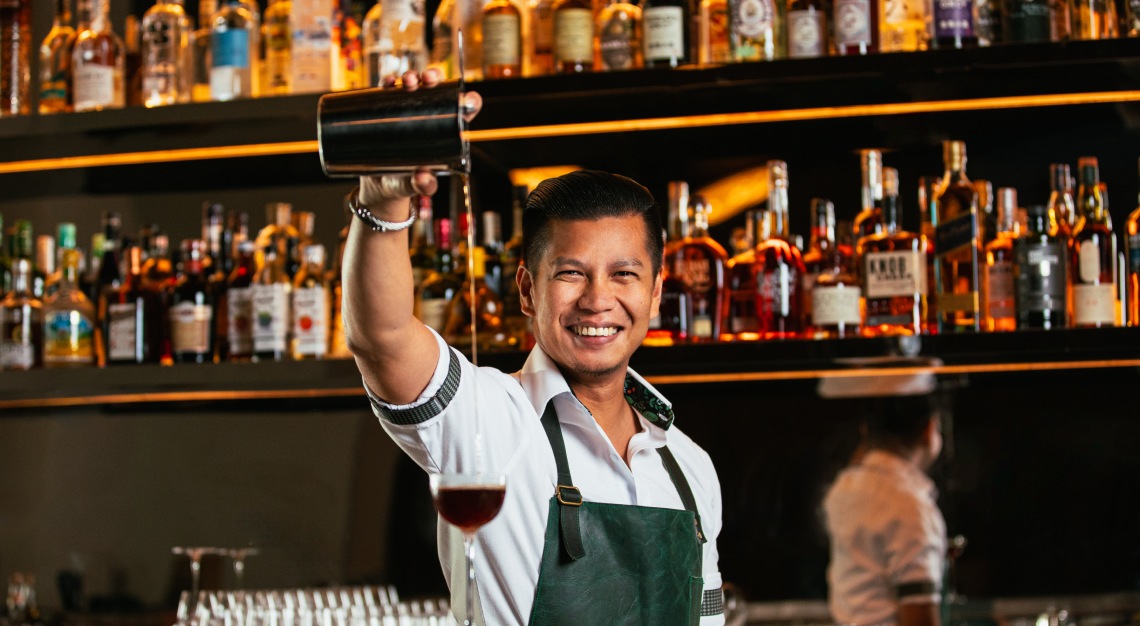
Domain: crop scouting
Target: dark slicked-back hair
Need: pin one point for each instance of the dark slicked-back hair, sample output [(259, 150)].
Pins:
[(899, 421), (588, 195)]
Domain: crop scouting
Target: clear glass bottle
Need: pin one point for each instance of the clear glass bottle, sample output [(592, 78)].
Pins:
[(999, 277), (394, 39), (191, 311), (310, 309), (69, 321), (1092, 253), (807, 29), (892, 266), (21, 322), (618, 37), (869, 220), (15, 57), (856, 26), (98, 62), (271, 296), (200, 87), (233, 51), (958, 244), (1041, 261), (55, 61), (166, 54), (756, 30), (239, 303), (573, 46), (131, 318)]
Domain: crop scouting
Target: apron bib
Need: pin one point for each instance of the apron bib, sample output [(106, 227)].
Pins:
[(617, 564)]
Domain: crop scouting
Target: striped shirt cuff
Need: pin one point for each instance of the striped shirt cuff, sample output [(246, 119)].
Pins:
[(712, 603), (432, 407)]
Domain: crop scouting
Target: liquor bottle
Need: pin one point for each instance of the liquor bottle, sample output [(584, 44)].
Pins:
[(1061, 201), (756, 30), (999, 280), (200, 81), (422, 251), (502, 40), (987, 24), (856, 26), (807, 29), (239, 304), (303, 223), (5, 261), (1131, 25), (15, 57), (822, 251), (987, 223), (892, 266), (166, 54), (573, 46), (437, 290), (1061, 20), (191, 310), (701, 263), (271, 297), (110, 274), (90, 274), (1040, 267), (954, 24), (278, 230), (277, 35), (713, 47), (21, 322), (312, 50), (98, 63), (45, 263), (834, 294), (538, 58), (618, 37), (672, 324), (869, 220), (1026, 21), (338, 343), (778, 265), (904, 26), (64, 240), (667, 33), (131, 318), (492, 241), (233, 51), (23, 248), (486, 327), (348, 62), (55, 61), (1092, 253), (132, 60), (158, 270), (69, 321), (958, 245), (393, 39), (442, 51), (213, 226), (310, 335), (1094, 19)]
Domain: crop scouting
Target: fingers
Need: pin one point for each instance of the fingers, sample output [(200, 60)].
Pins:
[(472, 104), (377, 190)]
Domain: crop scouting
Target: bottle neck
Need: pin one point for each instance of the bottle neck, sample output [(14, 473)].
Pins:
[(62, 14), (891, 214)]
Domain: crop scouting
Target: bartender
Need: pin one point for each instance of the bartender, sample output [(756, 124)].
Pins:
[(611, 513), (888, 537)]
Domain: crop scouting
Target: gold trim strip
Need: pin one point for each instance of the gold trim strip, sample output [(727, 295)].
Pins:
[(590, 128)]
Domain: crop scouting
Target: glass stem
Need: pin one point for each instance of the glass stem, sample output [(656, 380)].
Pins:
[(469, 550)]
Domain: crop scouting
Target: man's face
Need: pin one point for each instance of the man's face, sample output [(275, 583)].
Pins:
[(591, 294)]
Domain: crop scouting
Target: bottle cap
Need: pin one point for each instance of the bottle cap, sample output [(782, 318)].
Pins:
[(65, 235)]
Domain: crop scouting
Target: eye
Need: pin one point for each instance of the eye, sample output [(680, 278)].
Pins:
[(567, 274), (625, 275)]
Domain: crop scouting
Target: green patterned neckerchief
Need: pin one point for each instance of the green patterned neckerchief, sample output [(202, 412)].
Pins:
[(644, 401)]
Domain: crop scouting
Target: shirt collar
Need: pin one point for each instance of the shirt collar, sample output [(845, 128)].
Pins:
[(542, 380)]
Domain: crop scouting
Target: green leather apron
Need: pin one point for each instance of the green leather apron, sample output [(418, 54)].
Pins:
[(617, 564)]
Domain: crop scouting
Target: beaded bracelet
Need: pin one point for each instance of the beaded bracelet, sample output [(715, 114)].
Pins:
[(352, 203)]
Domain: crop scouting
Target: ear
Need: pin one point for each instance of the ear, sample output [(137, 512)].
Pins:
[(526, 290)]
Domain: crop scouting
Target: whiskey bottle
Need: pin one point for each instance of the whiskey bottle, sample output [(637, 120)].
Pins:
[(516, 324), (807, 29), (502, 40), (778, 266), (131, 318), (1132, 245), (987, 218), (828, 267), (55, 61), (538, 56), (701, 263), (821, 252), (239, 303), (21, 322), (954, 22), (277, 36), (191, 312), (869, 220), (1041, 272), (714, 47), (999, 279), (573, 47), (278, 230), (442, 51), (166, 60), (1061, 202), (856, 26), (958, 245), (132, 60), (904, 26), (438, 289), (1026, 21), (110, 274), (200, 44), (492, 239), (271, 297), (667, 35), (742, 323), (233, 51), (486, 328), (45, 262), (97, 62), (672, 324), (422, 251), (927, 193), (618, 37), (304, 223), (22, 247), (1094, 19), (69, 321), (310, 336), (15, 57), (756, 30), (1092, 253), (158, 270), (892, 267)]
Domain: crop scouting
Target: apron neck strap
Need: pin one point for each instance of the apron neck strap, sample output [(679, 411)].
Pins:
[(682, 485), (569, 498)]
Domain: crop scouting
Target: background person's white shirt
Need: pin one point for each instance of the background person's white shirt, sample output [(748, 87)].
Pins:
[(504, 412)]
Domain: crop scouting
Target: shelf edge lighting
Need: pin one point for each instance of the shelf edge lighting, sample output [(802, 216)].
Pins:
[(592, 128)]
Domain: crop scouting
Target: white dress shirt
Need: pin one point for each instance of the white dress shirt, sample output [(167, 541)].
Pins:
[(886, 531), (493, 423)]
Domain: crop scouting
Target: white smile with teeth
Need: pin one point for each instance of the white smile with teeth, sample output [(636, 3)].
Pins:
[(594, 331)]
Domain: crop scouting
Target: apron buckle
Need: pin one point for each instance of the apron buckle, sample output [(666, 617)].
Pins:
[(573, 496)]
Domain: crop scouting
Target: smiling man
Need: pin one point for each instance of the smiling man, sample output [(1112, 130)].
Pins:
[(611, 513)]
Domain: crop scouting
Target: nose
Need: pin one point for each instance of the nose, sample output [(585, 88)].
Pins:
[(597, 295)]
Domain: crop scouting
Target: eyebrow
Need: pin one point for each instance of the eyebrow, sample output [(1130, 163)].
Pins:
[(573, 262)]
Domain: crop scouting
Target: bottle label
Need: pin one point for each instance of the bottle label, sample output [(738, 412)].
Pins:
[(702, 327), (501, 37), (401, 10), (953, 18), (1040, 275), (239, 318), (775, 290), (834, 305), (999, 289), (806, 34), (1134, 254), (270, 317), (1088, 262), (190, 327), (311, 321), (574, 36), (229, 48), (94, 86), (1094, 305), (664, 33), (69, 337), (122, 332), (956, 236), (894, 274), (752, 19), (852, 22), (312, 50), (716, 30), (616, 41), (16, 350), (696, 273)]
